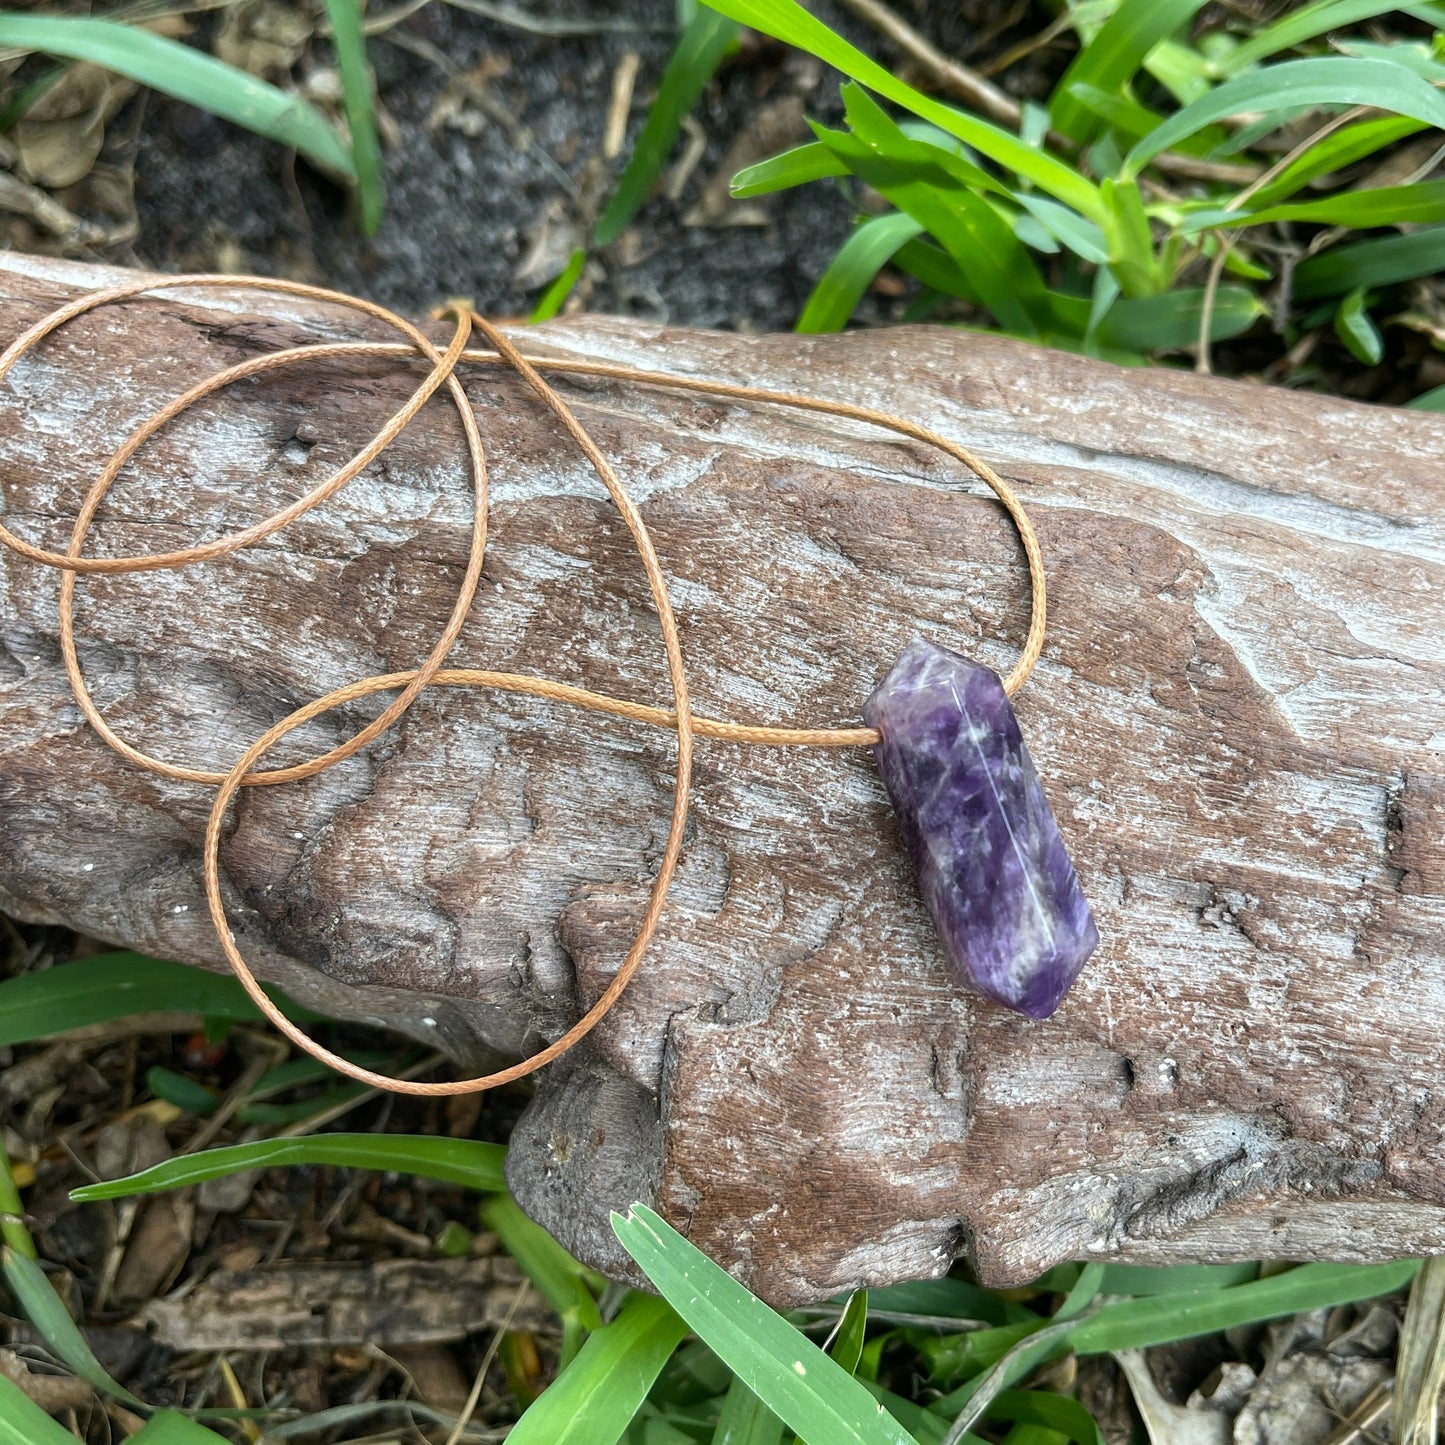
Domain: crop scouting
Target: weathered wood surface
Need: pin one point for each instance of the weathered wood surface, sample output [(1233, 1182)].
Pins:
[(1239, 716)]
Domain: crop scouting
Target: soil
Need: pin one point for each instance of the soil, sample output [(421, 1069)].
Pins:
[(478, 204)]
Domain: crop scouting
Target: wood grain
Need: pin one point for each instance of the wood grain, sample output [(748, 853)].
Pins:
[(1239, 718)]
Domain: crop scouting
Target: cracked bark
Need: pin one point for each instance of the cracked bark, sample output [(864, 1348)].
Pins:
[(1239, 718)]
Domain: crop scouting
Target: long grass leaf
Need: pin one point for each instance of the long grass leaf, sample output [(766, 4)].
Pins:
[(796, 1380), (1051, 1412), (745, 1420), (1161, 1319), (47, 1312), (1356, 328), (185, 74), (467, 1162), (560, 289), (111, 986), (1419, 204), (1309, 21), (1433, 400), (943, 193), (787, 21), (1113, 56), (1137, 1324), (811, 162), (594, 1399), (1339, 80), (1162, 323), (358, 98), (168, 1427), (851, 271), (1341, 148), (1380, 262), (847, 1347), (701, 48), (557, 1276)]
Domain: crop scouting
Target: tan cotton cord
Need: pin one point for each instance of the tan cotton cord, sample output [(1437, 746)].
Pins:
[(678, 719)]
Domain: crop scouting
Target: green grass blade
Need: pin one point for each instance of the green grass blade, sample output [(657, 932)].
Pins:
[(1131, 246), (946, 1298), (116, 985), (19, 103), (1380, 262), (1143, 1279), (358, 99), (23, 1422), (467, 1162), (187, 1094), (796, 1380), (1419, 204), (560, 289), (1110, 60), (701, 48), (1433, 400), (1162, 323), (594, 1399), (1139, 1324), (1162, 1319), (745, 1420), (811, 162), (930, 265), (851, 271), (942, 193), (168, 1427), (787, 21), (1049, 1412), (924, 1426), (1313, 20), (1341, 148), (1418, 58), (847, 1347), (1333, 81), (185, 74), (1356, 328), (557, 1276), (47, 1312)]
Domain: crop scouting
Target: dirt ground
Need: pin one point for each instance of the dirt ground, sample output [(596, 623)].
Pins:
[(495, 172)]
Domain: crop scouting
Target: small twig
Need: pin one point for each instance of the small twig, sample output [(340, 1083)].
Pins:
[(313, 1122), (1290, 157), (689, 160), (966, 84), (1195, 168), (1015, 53), (250, 1076), (624, 78), (481, 1376), (1206, 309)]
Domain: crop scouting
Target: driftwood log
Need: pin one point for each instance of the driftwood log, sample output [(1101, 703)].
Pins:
[(1239, 717)]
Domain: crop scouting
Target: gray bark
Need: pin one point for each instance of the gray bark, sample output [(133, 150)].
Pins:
[(1239, 718)]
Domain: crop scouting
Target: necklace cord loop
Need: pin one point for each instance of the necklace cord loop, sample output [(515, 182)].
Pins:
[(409, 685)]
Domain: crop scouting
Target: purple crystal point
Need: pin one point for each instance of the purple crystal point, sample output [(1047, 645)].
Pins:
[(991, 864)]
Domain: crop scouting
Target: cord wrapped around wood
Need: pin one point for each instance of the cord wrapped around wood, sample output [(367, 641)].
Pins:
[(1239, 719)]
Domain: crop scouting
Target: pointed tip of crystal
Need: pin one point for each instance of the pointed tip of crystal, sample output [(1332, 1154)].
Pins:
[(992, 866)]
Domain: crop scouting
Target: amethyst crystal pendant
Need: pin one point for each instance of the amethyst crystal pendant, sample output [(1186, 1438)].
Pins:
[(991, 865)]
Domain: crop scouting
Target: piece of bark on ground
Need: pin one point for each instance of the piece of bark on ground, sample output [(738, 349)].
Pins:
[(391, 1302), (1239, 718)]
